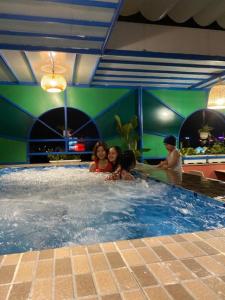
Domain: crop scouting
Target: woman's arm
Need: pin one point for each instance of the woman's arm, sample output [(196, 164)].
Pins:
[(162, 164), (126, 175), (92, 167)]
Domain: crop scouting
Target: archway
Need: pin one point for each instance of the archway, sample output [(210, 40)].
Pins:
[(62, 131), (189, 132)]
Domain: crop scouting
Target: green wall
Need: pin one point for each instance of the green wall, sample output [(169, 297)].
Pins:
[(163, 113)]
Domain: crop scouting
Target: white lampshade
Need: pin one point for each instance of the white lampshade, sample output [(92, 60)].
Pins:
[(217, 96), (53, 83)]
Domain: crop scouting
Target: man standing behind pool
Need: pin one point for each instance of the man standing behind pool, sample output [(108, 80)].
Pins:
[(173, 160)]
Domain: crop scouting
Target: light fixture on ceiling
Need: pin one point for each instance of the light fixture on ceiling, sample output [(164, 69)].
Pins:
[(53, 83), (216, 98)]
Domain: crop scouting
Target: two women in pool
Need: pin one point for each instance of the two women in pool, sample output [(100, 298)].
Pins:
[(114, 161)]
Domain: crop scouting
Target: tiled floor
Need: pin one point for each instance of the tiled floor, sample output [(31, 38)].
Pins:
[(180, 267)]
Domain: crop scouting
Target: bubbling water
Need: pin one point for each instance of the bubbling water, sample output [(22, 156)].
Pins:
[(57, 206)]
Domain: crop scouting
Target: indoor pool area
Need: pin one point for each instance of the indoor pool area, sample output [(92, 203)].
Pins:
[(112, 150)]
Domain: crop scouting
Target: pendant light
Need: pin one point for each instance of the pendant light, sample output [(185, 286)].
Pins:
[(216, 98)]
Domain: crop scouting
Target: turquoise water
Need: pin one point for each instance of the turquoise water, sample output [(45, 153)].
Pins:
[(57, 206)]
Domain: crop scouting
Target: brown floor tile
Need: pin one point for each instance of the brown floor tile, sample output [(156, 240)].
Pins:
[(115, 260), (42, 290), (203, 235), (81, 264), (30, 256), (137, 243), (218, 243), (165, 239), (64, 288), (222, 278), (206, 247), (4, 291), (181, 272), (132, 258), (179, 238), (6, 274), (162, 273), (125, 279), (195, 267), (20, 291), (178, 250), (152, 242), (144, 276), (191, 237), (63, 266), (211, 265), (99, 262), (178, 292), (220, 258), (134, 295), (11, 259), (25, 272), (1, 258), (148, 255), (199, 290), (105, 283), (108, 247), (112, 297), (44, 269), (216, 284), (157, 293), (62, 252), (217, 232), (94, 248), (163, 253), (46, 254), (192, 249), (85, 285), (78, 250), (124, 245)]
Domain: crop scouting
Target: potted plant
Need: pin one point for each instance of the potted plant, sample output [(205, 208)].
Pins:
[(216, 153), (205, 131), (129, 135), (191, 156)]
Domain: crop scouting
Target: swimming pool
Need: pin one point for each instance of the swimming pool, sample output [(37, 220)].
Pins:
[(47, 207)]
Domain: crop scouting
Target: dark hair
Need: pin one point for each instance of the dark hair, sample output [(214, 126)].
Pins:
[(128, 160), (119, 153), (170, 140), (95, 149)]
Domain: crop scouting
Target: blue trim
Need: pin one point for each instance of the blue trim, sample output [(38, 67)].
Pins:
[(113, 22), (149, 132), (9, 137), (140, 82), (48, 48), (65, 118), (41, 19), (152, 71), (140, 121), (146, 77), (163, 55), (81, 127), (94, 70), (63, 152), (52, 36), (90, 3), (8, 68), (213, 77), (75, 67), (152, 63), (166, 105), (29, 66)]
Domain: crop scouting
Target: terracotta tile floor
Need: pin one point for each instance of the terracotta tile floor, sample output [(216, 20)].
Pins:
[(181, 267)]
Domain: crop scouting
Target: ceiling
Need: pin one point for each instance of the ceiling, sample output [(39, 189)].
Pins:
[(77, 33)]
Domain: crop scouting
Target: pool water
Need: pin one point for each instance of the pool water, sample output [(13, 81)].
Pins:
[(47, 207)]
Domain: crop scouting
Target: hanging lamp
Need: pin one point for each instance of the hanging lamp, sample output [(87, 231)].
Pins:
[(53, 83), (216, 98)]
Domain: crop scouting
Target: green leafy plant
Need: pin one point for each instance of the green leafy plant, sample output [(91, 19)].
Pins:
[(188, 151), (129, 135), (63, 156), (217, 148)]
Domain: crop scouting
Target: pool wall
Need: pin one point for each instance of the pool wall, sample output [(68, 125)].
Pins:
[(21, 106)]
